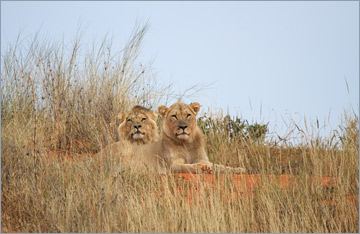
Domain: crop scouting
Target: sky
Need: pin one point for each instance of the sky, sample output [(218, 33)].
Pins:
[(263, 61)]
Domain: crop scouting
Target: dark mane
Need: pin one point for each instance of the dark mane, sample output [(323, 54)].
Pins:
[(141, 108)]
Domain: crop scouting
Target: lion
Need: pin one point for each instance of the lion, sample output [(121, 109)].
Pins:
[(181, 148), (139, 126)]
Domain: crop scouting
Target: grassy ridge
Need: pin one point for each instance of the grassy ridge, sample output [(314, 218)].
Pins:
[(70, 94), (62, 100)]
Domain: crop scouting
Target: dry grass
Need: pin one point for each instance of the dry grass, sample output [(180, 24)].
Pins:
[(56, 99)]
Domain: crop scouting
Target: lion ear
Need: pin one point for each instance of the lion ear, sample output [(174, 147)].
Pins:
[(153, 115), (162, 110), (120, 118), (195, 107)]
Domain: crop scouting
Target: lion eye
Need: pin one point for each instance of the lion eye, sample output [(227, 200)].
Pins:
[(174, 116), (143, 119), (129, 120), (188, 115)]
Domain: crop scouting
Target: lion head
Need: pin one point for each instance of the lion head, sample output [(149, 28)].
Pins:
[(180, 120), (138, 126)]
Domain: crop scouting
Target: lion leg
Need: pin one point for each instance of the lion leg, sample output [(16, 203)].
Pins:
[(225, 169), (179, 166)]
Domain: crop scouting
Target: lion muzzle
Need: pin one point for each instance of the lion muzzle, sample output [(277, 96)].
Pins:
[(137, 134), (182, 136)]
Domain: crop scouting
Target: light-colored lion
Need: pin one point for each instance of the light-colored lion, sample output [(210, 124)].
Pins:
[(181, 148), (138, 126)]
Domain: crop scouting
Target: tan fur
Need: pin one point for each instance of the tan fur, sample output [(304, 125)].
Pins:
[(181, 148), (138, 126)]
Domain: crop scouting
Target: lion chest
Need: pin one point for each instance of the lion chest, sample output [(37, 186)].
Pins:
[(189, 155)]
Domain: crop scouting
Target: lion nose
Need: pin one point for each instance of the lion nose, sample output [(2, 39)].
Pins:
[(183, 127), (137, 126)]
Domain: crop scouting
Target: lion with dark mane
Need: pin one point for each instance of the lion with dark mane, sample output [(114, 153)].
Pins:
[(138, 126)]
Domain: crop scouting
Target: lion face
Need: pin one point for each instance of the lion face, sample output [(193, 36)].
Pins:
[(179, 120), (138, 126)]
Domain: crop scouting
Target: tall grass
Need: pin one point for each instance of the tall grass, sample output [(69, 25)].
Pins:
[(75, 94), (57, 99)]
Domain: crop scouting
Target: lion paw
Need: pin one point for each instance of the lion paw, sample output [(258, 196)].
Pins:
[(204, 168)]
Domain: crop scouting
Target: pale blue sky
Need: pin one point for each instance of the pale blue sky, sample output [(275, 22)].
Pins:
[(286, 57)]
